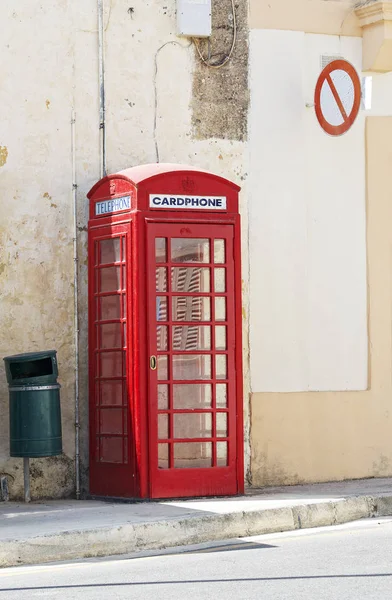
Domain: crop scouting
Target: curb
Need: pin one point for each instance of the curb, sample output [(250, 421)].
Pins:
[(128, 538)]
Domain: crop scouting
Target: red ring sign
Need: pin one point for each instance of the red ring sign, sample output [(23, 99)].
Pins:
[(337, 98)]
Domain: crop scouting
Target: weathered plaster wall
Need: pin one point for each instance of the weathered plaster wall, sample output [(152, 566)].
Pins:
[(36, 266), (161, 104), (221, 96)]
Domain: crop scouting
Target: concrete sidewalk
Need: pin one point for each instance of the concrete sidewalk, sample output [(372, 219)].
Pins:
[(65, 530)]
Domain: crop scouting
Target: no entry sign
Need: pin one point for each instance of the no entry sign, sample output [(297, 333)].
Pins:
[(337, 98)]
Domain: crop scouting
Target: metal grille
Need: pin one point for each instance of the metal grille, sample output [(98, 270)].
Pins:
[(326, 59)]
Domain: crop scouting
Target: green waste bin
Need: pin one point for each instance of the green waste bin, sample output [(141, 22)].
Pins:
[(34, 404)]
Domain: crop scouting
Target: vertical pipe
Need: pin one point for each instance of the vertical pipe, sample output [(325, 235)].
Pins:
[(5, 495), (26, 479), (102, 108), (76, 310)]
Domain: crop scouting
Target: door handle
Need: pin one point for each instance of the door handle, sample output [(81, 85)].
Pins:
[(153, 363)]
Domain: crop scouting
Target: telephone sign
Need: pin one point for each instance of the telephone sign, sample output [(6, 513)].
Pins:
[(110, 206)]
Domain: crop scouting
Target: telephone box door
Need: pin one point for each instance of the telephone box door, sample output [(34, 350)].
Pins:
[(193, 409)]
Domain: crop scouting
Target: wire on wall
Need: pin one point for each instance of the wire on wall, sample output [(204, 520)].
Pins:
[(174, 43), (209, 62)]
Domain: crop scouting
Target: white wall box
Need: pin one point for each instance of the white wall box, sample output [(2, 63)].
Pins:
[(194, 18)]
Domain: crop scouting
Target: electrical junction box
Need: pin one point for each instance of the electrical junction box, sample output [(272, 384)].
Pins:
[(194, 18)]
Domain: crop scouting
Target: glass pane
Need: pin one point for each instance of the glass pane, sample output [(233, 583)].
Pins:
[(109, 308), (162, 368), (111, 420), (109, 279), (162, 337), (125, 393), (190, 279), (219, 252), (192, 425), (163, 397), (111, 393), (220, 337), (221, 395), (221, 424), (192, 395), (160, 250), (220, 280), (125, 335), (110, 335), (161, 279), (161, 308), (192, 366), (221, 366), (110, 251), (124, 280), (193, 455), (190, 250), (111, 364), (124, 303), (163, 427), (188, 308), (125, 450), (191, 337), (111, 450), (163, 456), (124, 248), (220, 309), (221, 454)]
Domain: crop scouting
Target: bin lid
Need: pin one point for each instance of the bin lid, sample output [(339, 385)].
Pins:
[(27, 356)]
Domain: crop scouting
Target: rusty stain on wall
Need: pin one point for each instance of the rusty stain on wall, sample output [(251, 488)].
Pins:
[(3, 155), (220, 96), (48, 197)]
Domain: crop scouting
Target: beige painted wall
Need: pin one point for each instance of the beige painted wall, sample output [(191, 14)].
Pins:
[(333, 17), (334, 436)]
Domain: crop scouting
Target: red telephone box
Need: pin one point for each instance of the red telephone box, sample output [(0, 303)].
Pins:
[(165, 348)]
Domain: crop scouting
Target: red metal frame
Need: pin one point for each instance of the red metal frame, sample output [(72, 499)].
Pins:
[(217, 480), (141, 477)]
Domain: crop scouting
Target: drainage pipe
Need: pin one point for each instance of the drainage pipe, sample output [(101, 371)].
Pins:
[(102, 116), (76, 308)]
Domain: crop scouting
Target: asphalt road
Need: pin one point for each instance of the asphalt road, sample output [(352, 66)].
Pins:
[(348, 562)]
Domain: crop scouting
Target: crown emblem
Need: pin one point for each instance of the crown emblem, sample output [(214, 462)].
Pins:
[(112, 187), (188, 185)]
